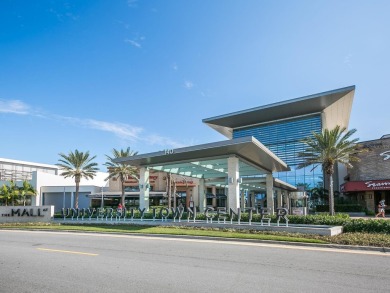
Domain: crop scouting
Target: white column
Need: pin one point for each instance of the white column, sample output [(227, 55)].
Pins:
[(233, 185), (144, 188), (270, 192), (202, 196)]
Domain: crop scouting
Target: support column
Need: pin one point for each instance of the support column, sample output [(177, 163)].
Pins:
[(214, 199), (242, 199), (233, 185), (144, 188), (279, 198), (269, 181), (202, 196), (252, 203), (72, 200)]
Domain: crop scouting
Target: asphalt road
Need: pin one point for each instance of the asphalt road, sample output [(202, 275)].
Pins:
[(33, 261)]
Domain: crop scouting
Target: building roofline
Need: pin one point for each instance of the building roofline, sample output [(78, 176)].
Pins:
[(305, 105), (30, 164)]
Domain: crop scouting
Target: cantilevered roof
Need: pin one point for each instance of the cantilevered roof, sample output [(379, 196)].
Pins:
[(253, 155), (277, 111)]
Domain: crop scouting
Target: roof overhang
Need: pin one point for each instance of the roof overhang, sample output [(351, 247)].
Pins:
[(298, 107), (211, 159)]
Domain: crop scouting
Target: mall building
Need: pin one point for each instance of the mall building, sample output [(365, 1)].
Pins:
[(260, 155), (256, 164), (368, 182)]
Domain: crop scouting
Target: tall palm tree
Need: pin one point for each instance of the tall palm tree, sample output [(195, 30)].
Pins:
[(327, 149), (121, 171), (77, 165)]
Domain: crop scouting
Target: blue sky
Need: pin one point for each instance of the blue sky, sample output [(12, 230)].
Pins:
[(96, 75)]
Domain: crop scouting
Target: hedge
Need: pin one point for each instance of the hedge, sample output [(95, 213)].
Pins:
[(341, 208)]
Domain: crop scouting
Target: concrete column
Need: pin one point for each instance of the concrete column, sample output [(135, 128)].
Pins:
[(72, 200), (214, 200), (279, 198), (202, 196), (144, 188), (242, 199), (233, 185), (252, 203), (269, 181)]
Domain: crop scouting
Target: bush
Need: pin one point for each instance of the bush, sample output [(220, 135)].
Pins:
[(341, 208)]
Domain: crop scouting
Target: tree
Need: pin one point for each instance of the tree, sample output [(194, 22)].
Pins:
[(77, 165), (9, 192), (121, 171), (5, 193), (26, 190), (327, 149)]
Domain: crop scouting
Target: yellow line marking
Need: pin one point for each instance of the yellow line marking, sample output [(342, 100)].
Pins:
[(68, 251)]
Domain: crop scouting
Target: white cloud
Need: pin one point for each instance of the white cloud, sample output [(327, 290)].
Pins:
[(121, 130), (14, 107), (133, 43), (132, 3), (188, 84), (348, 59), (163, 141), (175, 67)]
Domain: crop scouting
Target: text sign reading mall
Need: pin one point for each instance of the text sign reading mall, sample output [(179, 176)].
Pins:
[(109, 214), (26, 214)]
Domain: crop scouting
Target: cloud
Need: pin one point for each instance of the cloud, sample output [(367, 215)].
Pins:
[(14, 107), (133, 43), (188, 84), (175, 67), (132, 3), (121, 130), (164, 141), (348, 59)]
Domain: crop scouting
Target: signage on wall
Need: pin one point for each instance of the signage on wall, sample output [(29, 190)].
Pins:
[(365, 185), (26, 213)]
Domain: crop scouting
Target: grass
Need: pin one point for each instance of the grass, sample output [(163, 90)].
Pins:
[(362, 239), (162, 230)]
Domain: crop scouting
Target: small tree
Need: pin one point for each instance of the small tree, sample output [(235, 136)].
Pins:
[(26, 190), (122, 171), (5, 193), (77, 165), (327, 149)]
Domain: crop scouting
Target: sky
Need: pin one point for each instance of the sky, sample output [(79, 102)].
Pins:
[(96, 75)]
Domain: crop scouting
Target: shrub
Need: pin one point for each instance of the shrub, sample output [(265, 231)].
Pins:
[(341, 208)]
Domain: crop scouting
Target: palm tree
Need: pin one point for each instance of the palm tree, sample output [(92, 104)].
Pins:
[(5, 193), (122, 171), (26, 189), (327, 149), (77, 165)]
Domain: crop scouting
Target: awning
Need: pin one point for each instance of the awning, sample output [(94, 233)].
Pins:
[(367, 185)]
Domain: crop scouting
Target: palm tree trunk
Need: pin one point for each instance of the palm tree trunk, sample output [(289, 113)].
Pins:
[(76, 204), (331, 196), (123, 194)]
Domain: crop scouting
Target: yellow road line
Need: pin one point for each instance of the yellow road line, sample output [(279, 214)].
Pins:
[(68, 251)]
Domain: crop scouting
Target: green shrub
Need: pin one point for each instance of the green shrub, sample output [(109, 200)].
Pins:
[(341, 208)]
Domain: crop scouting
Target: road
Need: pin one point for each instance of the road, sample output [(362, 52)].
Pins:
[(33, 261)]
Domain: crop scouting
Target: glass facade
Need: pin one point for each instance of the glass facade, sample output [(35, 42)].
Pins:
[(283, 138)]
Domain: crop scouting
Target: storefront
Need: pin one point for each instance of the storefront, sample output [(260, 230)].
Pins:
[(368, 182)]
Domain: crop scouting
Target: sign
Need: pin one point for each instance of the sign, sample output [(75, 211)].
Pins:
[(365, 185), (26, 214)]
